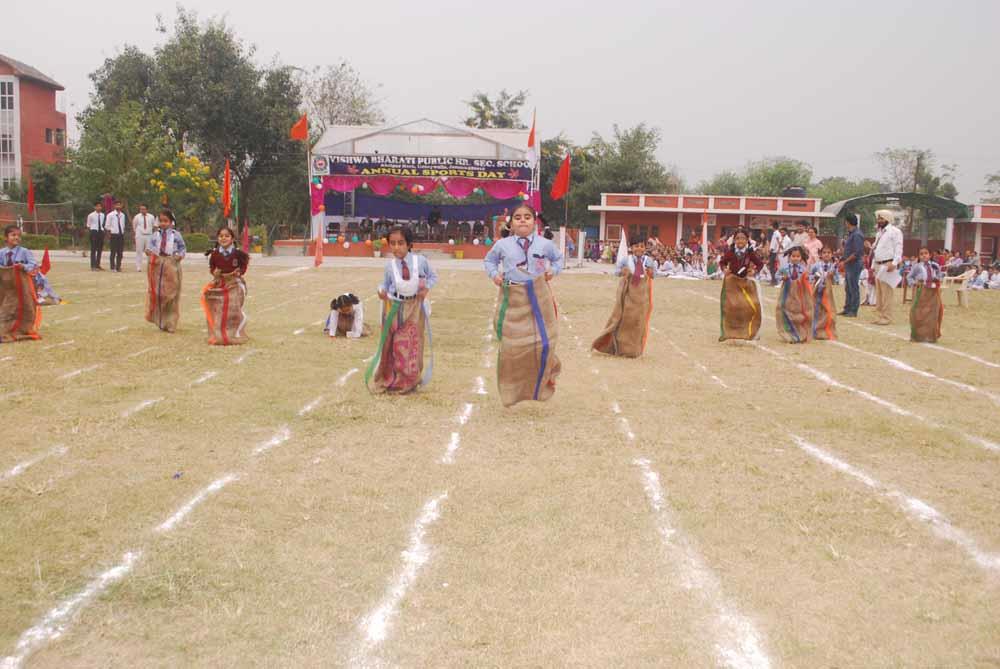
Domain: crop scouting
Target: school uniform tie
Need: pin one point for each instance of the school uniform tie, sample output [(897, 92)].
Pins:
[(637, 274), (163, 243), (404, 270)]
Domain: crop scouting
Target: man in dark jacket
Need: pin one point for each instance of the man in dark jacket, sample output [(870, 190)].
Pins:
[(854, 251)]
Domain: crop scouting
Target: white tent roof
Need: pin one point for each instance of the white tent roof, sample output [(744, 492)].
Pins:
[(423, 137)]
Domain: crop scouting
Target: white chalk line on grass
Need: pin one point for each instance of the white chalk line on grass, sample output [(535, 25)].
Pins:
[(895, 335), (698, 364), (886, 404), (916, 509), (141, 406), (936, 347), (466, 413), (77, 372), (449, 455), (342, 381), (207, 376), (179, 515), (281, 436), (374, 627), (21, 467), (117, 330), (7, 358), (60, 345), (298, 332), (142, 352), (309, 408), (239, 360), (288, 272), (481, 386), (899, 364), (54, 623), (739, 645), (11, 395)]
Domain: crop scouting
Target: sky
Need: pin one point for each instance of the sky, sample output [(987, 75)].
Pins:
[(725, 82)]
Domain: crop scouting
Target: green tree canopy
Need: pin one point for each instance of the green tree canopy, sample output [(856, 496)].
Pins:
[(502, 112), (119, 149), (723, 183), (625, 163), (770, 176)]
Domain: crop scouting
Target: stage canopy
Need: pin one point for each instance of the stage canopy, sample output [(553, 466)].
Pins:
[(938, 207), (419, 156)]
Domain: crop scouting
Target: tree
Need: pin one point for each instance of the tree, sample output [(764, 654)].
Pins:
[(723, 183), (626, 163), (504, 112), (553, 152), (119, 149), (770, 176), (835, 189), (337, 95), (213, 101), (185, 184), (916, 171), (992, 189)]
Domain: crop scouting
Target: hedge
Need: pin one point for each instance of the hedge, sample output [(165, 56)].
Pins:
[(39, 242), (197, 242)]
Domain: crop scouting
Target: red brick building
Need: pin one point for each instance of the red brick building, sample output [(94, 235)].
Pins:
[(31, 129), (673, 218), (981, 233)]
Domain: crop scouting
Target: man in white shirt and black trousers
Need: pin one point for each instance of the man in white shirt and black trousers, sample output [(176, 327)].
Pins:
[(116, 224), (95, 226), (143, 225), (887, 254)]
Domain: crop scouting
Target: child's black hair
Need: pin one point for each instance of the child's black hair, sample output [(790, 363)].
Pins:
[(344, 300), (9, 229), (405, 231), (166, 211)]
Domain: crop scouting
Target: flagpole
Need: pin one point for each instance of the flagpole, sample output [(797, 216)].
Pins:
[(309, 185)]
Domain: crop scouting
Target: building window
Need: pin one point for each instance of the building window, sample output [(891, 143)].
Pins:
[(6, 95), (48, 136), (60, 137)]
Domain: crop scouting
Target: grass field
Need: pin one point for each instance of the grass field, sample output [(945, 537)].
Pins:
[(166, 503)]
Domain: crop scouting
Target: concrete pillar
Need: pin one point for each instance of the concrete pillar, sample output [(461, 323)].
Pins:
[(949, 233), (581, 243), (978, 248), (604, 227)]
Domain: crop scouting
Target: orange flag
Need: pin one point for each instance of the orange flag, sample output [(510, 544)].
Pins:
[(300, 131), (46, 262), (318, 260), (561, 185)]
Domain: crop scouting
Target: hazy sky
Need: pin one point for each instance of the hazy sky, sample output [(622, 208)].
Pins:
[(725, 82)]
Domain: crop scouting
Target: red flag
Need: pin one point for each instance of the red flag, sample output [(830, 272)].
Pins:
[(31, 196), (245, 242), (561, 185), (318, 260), (300, 131), (46, 263), (226, 192)]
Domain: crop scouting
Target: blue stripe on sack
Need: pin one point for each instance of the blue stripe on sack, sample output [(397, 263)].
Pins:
[(429, 372), (789, 327), (540, 324)]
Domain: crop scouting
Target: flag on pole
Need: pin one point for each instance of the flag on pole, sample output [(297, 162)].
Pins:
[(31, 196), (533, 152), (245, 242), (300, 131), (46, 262), (318, 259), (227, 192), (561, 185)]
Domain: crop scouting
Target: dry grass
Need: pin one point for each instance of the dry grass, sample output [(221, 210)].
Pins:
[(546, 552)]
